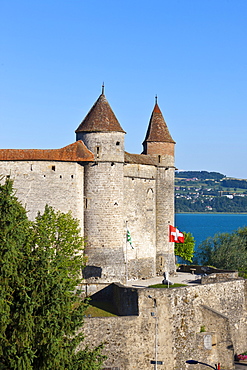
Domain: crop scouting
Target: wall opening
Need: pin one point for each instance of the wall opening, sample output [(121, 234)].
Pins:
[(97, 151), (85, 203), (53, 168), (118, 143)]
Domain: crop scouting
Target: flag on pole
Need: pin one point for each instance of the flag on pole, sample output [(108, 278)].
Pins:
[(128, 238), (175, 235)]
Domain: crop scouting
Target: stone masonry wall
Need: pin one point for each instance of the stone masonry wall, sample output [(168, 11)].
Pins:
[(181, 315), (37, 183), (140, 210), (106, 146), (165, 260), (104, 224)]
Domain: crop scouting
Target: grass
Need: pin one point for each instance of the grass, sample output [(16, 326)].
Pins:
[(100, 309), (166, 286)]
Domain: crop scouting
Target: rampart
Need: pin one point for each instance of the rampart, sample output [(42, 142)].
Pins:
[(204, 322), (56, 183)]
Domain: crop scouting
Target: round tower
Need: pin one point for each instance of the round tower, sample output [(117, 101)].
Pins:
[(159, 144), (103, 189)]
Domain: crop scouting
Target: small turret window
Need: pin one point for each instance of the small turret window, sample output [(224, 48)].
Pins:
[(97, 151), (118, 143), (53, 168)]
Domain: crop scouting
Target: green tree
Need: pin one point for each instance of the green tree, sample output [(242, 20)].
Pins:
[(225, 251), (185, 250), (16, 321), (41, 309)]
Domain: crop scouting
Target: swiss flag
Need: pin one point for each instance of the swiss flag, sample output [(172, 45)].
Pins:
[(175, 235)]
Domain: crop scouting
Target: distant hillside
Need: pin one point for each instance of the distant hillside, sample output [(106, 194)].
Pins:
[(203, 191), (200, 175)]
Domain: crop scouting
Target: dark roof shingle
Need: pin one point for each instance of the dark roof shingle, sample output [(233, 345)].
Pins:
[(100, 118), (157, 128)]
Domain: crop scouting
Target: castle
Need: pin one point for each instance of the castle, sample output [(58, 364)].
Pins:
[(109, 190)]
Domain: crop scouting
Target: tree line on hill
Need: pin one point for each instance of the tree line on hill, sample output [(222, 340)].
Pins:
[(216, 204), (203, 191), (200, 175)]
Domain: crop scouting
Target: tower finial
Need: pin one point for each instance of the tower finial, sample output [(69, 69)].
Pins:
[(156, 99), (103, 88)]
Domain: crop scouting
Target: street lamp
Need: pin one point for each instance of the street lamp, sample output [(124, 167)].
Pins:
[(154, 314), (193, 362)]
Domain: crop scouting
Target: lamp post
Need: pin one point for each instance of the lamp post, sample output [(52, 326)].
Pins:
[(193, 362), (154, 315)]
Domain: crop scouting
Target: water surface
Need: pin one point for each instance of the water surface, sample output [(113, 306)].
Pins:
[(203, 225)]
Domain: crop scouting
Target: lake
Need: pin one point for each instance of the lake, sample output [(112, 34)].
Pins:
[(203, 225)]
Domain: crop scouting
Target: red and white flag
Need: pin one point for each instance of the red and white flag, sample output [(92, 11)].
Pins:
[(175, 235)]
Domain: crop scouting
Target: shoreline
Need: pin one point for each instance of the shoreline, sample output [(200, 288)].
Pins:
[(211, 213)]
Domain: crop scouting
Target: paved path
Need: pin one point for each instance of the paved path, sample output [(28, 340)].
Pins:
[(178, 278)]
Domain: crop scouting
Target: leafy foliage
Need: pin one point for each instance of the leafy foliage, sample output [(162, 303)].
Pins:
[(41, 310), (200, 175), (234, 183), (185, 250), (216, 204), (226, 251)]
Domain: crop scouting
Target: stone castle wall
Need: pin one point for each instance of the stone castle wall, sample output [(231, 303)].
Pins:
[(165, 260), (37, 183), (104, 223), (207, 323), (140, 210)]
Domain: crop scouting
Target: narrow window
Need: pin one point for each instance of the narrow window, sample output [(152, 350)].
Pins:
[(31, 167), (72, 176), (118, 143), (159, 158), (60, 176), (97, 151), (53, 168)]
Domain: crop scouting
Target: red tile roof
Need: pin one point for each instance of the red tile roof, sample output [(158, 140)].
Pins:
[(76, 152), (157, 129), (100, 118)]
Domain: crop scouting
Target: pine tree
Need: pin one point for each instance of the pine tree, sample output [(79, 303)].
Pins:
[(16, 323), (41, 309)]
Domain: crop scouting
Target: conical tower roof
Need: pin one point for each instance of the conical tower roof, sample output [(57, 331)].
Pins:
[(100, 118), (157, 128)]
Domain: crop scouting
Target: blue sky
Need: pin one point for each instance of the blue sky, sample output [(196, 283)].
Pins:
[(54, 56)]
